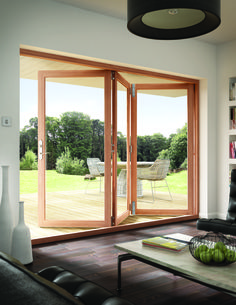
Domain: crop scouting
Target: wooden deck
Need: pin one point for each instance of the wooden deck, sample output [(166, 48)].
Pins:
[(78, 205)]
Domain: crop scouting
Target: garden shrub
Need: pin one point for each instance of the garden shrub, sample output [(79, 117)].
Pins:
[(68, 166), (28, 162), (184, 165), (164, 154)]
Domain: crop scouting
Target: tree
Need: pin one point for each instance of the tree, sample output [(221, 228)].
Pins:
[(178, 148), (149, 147), (52, 129), (75, 132), (85, 138), (121, 146), (157, 144), (140, 148), (29, 137), (97, 142)]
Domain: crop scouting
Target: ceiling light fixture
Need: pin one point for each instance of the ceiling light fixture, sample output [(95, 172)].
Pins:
[(173, 19)]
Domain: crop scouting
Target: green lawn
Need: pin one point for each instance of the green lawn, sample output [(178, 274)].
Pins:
[(54, 181), (178, 182), (58, 182)]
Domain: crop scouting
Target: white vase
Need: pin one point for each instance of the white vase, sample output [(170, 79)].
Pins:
[(6, 223), (21, 239)]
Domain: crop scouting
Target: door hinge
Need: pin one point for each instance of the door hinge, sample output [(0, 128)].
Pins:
[(112, 221), (131, 148), (112, 75), (112, 148), (133, 90), (133, 208)]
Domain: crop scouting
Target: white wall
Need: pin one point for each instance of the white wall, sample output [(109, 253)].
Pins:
[(226, 63), (56, 26)]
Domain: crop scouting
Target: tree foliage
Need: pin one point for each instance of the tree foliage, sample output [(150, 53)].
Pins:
[(84, 138), (178, 148)]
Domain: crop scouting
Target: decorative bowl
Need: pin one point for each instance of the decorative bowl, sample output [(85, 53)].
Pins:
[(213, 249)]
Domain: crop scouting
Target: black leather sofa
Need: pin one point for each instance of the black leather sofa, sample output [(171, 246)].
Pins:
[(224, 226), (51, 286)]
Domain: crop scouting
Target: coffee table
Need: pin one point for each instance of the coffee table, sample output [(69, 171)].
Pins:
[(222, 278)]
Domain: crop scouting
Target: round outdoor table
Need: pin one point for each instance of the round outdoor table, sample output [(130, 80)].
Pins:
[(122, 180)]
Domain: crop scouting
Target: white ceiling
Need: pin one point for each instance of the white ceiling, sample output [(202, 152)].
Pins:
[(30, 66), (118, 9)]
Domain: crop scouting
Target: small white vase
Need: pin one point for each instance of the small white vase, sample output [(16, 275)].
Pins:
[(21, 239), (6, 222)]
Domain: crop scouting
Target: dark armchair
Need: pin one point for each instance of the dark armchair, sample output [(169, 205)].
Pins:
[(227, 226)]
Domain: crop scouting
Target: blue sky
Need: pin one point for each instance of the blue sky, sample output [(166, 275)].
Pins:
[(155, 113)]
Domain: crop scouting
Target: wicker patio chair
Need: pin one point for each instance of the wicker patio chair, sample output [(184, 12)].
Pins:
[(157, 172), (95, 169)]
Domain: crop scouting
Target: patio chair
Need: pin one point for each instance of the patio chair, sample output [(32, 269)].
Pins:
[(95, 169), (157, 172)]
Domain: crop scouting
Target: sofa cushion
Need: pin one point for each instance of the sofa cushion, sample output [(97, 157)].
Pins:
[(217, 225), (84, 290)]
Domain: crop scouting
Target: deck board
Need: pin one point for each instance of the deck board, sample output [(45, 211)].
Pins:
[(78, 205)]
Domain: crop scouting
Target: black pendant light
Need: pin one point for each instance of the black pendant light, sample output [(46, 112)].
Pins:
[(173, 19)]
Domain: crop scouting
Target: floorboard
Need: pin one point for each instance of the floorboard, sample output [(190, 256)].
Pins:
[(95, 258)]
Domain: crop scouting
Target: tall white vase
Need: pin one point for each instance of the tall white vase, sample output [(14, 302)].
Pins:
[(21, 239), (6, 219)]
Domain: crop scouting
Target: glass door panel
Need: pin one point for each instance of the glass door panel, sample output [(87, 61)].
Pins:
[(154, 109), (162, 151), (121, 149), (123, 158), (75, 140), (74, 151)]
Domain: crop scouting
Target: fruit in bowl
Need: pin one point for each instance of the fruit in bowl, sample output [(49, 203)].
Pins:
[(221, 246), (199, 250), (213, 249), (206, 256), (218, 256), (230, 256)]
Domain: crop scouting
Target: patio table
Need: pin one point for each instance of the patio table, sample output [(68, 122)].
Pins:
[(122, 178)]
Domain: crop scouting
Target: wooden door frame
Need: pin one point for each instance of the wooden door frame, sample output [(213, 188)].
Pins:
[(42, 219), (193, 148), (116, 77), (51, 56)]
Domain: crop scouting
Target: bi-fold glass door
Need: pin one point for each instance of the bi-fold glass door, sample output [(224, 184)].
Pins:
[(101, 124), (87, 129)]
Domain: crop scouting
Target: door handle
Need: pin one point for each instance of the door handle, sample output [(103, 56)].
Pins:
[(40, 153), (40, 149)]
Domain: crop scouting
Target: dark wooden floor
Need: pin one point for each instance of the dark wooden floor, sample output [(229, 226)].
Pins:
[(95, 258)]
